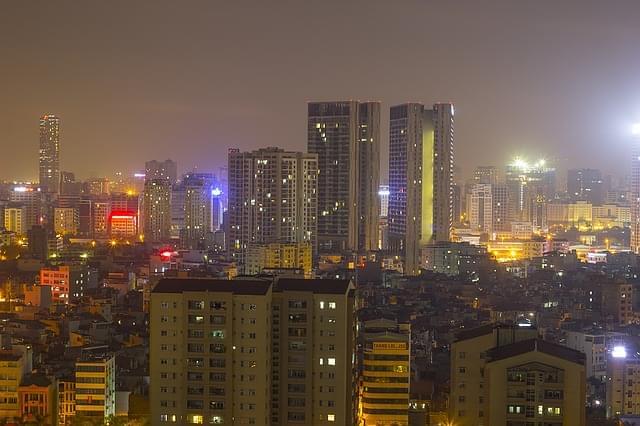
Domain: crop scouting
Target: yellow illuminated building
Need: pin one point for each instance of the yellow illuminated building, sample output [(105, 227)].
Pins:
[(506, 375), (385, 374), (506, 251), (279, 256), (96, 386), (12, 369)]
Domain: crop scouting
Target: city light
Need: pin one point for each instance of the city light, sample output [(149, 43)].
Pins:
[(619, 352), (384, 192), (519, 163), (216, 192)]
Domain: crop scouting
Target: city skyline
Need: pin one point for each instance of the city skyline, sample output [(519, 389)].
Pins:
[(495, 63)]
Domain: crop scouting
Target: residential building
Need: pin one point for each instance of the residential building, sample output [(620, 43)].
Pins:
[(66, 220), (481, 208), (279, 256), (502, 375), (345, 135), (250, 351), (198, 209), (14, 365), (157, 210), (272, 199)]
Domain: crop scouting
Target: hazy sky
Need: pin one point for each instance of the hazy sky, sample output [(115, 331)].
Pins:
[(137, 80)]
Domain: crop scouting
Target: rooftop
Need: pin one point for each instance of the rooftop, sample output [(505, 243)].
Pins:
[(536, 345), (318, 286), (182, 285)]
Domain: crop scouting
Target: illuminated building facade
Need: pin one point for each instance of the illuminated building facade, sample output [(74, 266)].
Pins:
[(49, 165), (13, 367), (15, 219), (345, 135), (123, 224), (530, 187), (96, 386), (66, 220), (101, 215), (635, 193), (385, 374), (32, 198), (279, 256), (272, 198), (420, 179), (157, 210)]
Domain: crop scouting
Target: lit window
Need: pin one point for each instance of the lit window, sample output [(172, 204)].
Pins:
[(331, 417), (321, 361), (321, 305), (331, 361), (332, 305)]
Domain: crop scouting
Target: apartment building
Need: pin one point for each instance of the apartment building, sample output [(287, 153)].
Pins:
[(506, 375), (252, 351)]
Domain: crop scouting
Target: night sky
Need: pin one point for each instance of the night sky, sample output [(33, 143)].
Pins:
[(138, 80)]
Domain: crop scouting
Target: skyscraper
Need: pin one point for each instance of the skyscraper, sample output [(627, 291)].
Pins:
[(50, 153), (585, 185), (420, 179), (346, 137), (635, 195), (272, 198), (157, 209), (198, 208), (481, 208), (167, 169)]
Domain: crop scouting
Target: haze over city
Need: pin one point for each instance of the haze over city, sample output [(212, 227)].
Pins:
[(545, 79)]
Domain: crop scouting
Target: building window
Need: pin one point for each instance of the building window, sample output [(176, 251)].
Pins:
[(331, 417), (332, 305)]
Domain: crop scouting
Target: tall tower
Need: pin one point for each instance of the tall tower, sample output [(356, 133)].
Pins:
[(157, 210), (198, 209), (346, 137), (49, 170), (635, 190), (272, 198), (420, 179)]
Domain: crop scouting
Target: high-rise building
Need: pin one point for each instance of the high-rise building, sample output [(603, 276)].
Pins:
[(485, 174), (385, 372), (635, 195), (252, 352), (420, 179), (157, 210), (272, 198), (32, 198), (66, 220), (198, 209), (502, 375), (346, 137), (100, 219), (383, 193), (623, 375), (481, 208), (178, 192), (167, 169), (585, 185), (50, 153), (15, 219), (531, 187), (500, 198)]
